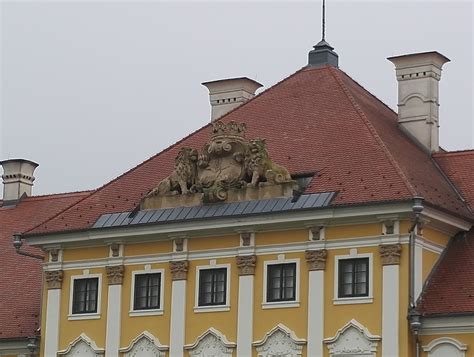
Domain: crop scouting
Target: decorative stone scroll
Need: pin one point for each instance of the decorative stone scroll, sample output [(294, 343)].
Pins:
[(115, 274), (246, 264), (115, 249), (179, 270), (54, 278), (390, 254), (316, 232), (316, 259), (228, 167)]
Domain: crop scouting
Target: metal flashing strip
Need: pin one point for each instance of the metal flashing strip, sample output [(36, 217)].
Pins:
[(232, 209)]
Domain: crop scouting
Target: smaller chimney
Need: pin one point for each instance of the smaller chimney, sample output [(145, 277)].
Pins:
[(17, 178), (227, 94), (418, 77)]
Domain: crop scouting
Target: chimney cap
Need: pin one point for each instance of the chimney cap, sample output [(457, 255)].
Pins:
[(245, 82), (7, 161), (419, 58)]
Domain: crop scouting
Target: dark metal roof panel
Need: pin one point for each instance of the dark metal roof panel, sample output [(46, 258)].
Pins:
[(232, 209)]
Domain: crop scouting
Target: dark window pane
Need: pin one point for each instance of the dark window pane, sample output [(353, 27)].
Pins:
[(147, 291), (281, 282), (353, 277), (84, 296), (212, 287)]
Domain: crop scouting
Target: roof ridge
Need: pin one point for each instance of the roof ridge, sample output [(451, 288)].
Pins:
[(373, 132), (61, 211), (57, 195)]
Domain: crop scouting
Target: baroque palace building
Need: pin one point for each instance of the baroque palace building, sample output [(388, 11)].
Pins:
[(307, 220)]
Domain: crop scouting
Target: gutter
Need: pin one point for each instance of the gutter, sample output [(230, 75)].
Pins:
[(414, 317)]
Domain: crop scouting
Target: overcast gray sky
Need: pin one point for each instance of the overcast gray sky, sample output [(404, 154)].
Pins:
[(90, 89)]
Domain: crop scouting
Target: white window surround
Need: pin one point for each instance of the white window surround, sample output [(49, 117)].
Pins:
[(144, 342), (211, 343), (213, 308), (148, 312), (447, 341), (280, 341), (85, 316), (81, 345), (352, 339), (281, 304), (353, 300)]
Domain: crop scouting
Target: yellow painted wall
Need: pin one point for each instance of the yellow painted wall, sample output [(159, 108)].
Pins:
[(353, 231), (148, 248), (293, 236), (435, 236), (429, 260), (94, 329), (224, 321), (405, 342), (466, 338), (157, 325), (85, 253), (213, 243), (294, 318)]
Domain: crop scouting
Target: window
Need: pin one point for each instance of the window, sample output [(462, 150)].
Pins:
[(281, 282), (353, 277), (85, 296), (212, 287), (147, 291)]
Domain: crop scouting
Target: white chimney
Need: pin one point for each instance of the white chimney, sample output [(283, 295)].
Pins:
[(227, 94), (418, 78), (17, 178)]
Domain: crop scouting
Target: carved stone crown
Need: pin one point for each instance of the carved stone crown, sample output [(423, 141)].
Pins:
[(226, 130)]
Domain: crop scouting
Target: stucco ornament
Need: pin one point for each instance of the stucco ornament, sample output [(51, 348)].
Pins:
[(145, 345), (316, 259), (228, 161), (54, 279), (390, 254), (179, 270), (246, 264), (115, 274), (281, 342), (211, 343), (353, 339), (82, 346)]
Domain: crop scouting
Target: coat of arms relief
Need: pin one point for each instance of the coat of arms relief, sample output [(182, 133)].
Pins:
[(228, 168)]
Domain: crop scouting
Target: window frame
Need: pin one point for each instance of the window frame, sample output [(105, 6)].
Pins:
[(147, 312), (284, 303), (353, 299), (354, 282), (85, 315), (220, 307)]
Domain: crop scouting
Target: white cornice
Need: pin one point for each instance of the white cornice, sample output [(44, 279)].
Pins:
[(447, 325), (298, 247), (222, 226)]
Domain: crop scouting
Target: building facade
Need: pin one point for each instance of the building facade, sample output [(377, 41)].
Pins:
[(311, 220)]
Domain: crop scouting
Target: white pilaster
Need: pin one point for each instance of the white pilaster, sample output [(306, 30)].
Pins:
[(316, 313), (390, 310), (178, 311), (245, 316), (112, 337), (51, 336), (418, 270)]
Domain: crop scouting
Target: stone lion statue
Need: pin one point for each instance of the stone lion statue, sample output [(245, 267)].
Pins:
[(259, 165), (183, 176)]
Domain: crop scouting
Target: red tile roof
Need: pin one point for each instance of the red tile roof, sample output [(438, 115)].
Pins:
[(20, 283), (459, 166), (317, 120), (450, 289)]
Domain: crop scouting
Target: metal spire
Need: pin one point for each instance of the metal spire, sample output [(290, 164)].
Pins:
[(323, 53), (324, 21)]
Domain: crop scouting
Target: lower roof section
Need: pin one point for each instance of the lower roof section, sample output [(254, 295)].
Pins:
[(218, 210)]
